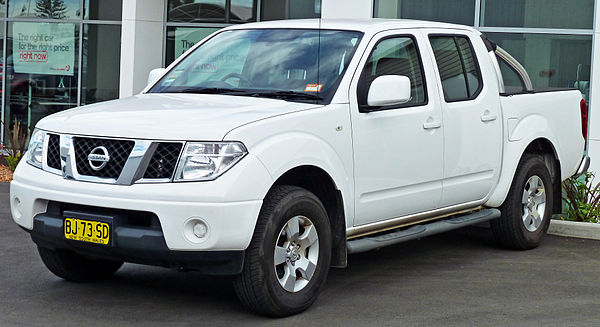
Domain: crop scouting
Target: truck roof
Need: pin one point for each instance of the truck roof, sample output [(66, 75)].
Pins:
[(372, 25)]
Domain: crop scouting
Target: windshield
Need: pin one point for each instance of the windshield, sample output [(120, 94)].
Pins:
[(288, 64)]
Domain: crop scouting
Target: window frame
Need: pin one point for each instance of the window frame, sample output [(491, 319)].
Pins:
[(365, 108), (476, 94)]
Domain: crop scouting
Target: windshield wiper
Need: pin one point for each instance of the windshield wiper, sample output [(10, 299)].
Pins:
[(285, 95), (208, 90)]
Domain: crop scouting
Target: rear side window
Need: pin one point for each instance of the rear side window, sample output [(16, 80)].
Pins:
[(397, 55), (459, 70)]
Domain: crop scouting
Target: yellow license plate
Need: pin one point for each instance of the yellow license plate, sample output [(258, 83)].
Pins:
[(87, 231)]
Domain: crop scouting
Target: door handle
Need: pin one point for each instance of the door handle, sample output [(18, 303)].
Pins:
[(488, 116), (432, 124)]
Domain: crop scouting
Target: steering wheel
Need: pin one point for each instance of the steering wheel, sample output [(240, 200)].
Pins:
[(235, 75)]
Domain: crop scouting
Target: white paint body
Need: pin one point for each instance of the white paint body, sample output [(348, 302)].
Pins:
[(386, 164)]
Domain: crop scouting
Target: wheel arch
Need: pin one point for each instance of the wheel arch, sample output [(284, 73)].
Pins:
[(537, 145), (320, 183)]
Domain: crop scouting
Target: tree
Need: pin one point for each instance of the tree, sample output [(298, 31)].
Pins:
[(51, 9)]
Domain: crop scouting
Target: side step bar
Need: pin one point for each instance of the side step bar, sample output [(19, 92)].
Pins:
[(418, 231)]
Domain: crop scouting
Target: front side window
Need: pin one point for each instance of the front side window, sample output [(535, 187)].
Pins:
[(394, 56), (457, 64), (293, 64)]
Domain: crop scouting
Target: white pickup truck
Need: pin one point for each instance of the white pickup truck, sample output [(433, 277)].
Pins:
[(271, 150)]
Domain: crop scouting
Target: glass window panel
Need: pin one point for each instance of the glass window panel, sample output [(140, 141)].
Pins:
[(3, 9), (290, 9), (512, 81), (196, 11), (395, 56), (551, 60), (539, 13), (103, 9), (58, 9), (41, 72), (449, 65), (451, 11), (242, 11), (101, 53), (180, 39), (469, 64)]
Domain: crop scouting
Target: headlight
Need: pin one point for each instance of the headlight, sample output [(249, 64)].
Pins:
[(203, 161), (36, 148)]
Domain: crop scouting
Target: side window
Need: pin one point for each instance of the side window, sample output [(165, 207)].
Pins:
[(459, 71), (513, 83), (394, 56)]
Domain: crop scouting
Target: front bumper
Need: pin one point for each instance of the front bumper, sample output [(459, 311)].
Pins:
[(229, 205), (137, 245)]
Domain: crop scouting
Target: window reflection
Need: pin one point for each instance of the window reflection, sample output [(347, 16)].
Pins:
[(100, 74), (551, 60), (450, 11), (539, 13), (56, 9), (40, 82)]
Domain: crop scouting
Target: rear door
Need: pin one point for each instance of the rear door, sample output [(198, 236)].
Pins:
[(398, 150), (472, 116)]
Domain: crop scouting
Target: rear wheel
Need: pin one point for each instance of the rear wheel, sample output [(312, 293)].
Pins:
[(527, 210), (287, 262), (75, 267)]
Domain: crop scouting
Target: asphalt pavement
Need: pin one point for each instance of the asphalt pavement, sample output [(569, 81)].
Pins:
[(459, 278)]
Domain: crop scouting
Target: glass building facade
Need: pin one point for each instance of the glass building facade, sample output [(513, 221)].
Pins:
[(551, 38), (57, 54), (189, 21)]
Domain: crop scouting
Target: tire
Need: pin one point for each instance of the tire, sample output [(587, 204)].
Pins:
[(75, 267), (264, 286), (527, 210)]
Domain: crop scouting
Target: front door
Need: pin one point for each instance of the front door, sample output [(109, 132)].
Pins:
[(398, 150)]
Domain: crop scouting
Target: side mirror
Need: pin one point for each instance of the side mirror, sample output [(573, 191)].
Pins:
[(155, 74), (389, 90)]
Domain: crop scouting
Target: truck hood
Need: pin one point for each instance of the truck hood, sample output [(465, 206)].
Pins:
[(193, 117)]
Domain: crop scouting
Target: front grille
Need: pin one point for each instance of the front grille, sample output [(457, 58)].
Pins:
[(163, 161), (53, 155), (118, 150)]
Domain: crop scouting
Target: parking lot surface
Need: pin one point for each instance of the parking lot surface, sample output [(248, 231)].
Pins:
[(456, 279)]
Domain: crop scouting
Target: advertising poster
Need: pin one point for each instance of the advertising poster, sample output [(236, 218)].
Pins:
[(185, 38), (44, 48)]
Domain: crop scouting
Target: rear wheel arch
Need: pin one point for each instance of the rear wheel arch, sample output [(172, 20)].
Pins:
[(544, 148)]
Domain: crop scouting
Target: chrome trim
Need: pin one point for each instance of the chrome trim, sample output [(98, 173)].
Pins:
[(133, 170), (128, 174), (583, 166), (499, 76), (384, 225)]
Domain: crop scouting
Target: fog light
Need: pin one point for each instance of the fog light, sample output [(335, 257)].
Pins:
[(17, 208), (196, 230), (200, 229)]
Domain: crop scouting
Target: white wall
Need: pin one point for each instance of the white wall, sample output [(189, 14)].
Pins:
[(347, 9), (141, 43), (594, 119)]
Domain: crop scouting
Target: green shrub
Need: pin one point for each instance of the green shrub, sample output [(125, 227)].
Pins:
[(582, 199), (12, 161)]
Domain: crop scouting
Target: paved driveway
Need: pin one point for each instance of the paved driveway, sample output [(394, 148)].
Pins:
[(456, 279)]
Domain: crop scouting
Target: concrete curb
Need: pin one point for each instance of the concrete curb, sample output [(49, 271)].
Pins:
[(574, 229)]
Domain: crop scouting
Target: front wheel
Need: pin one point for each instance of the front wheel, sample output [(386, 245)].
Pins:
[(527, 210), (287, 262)]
